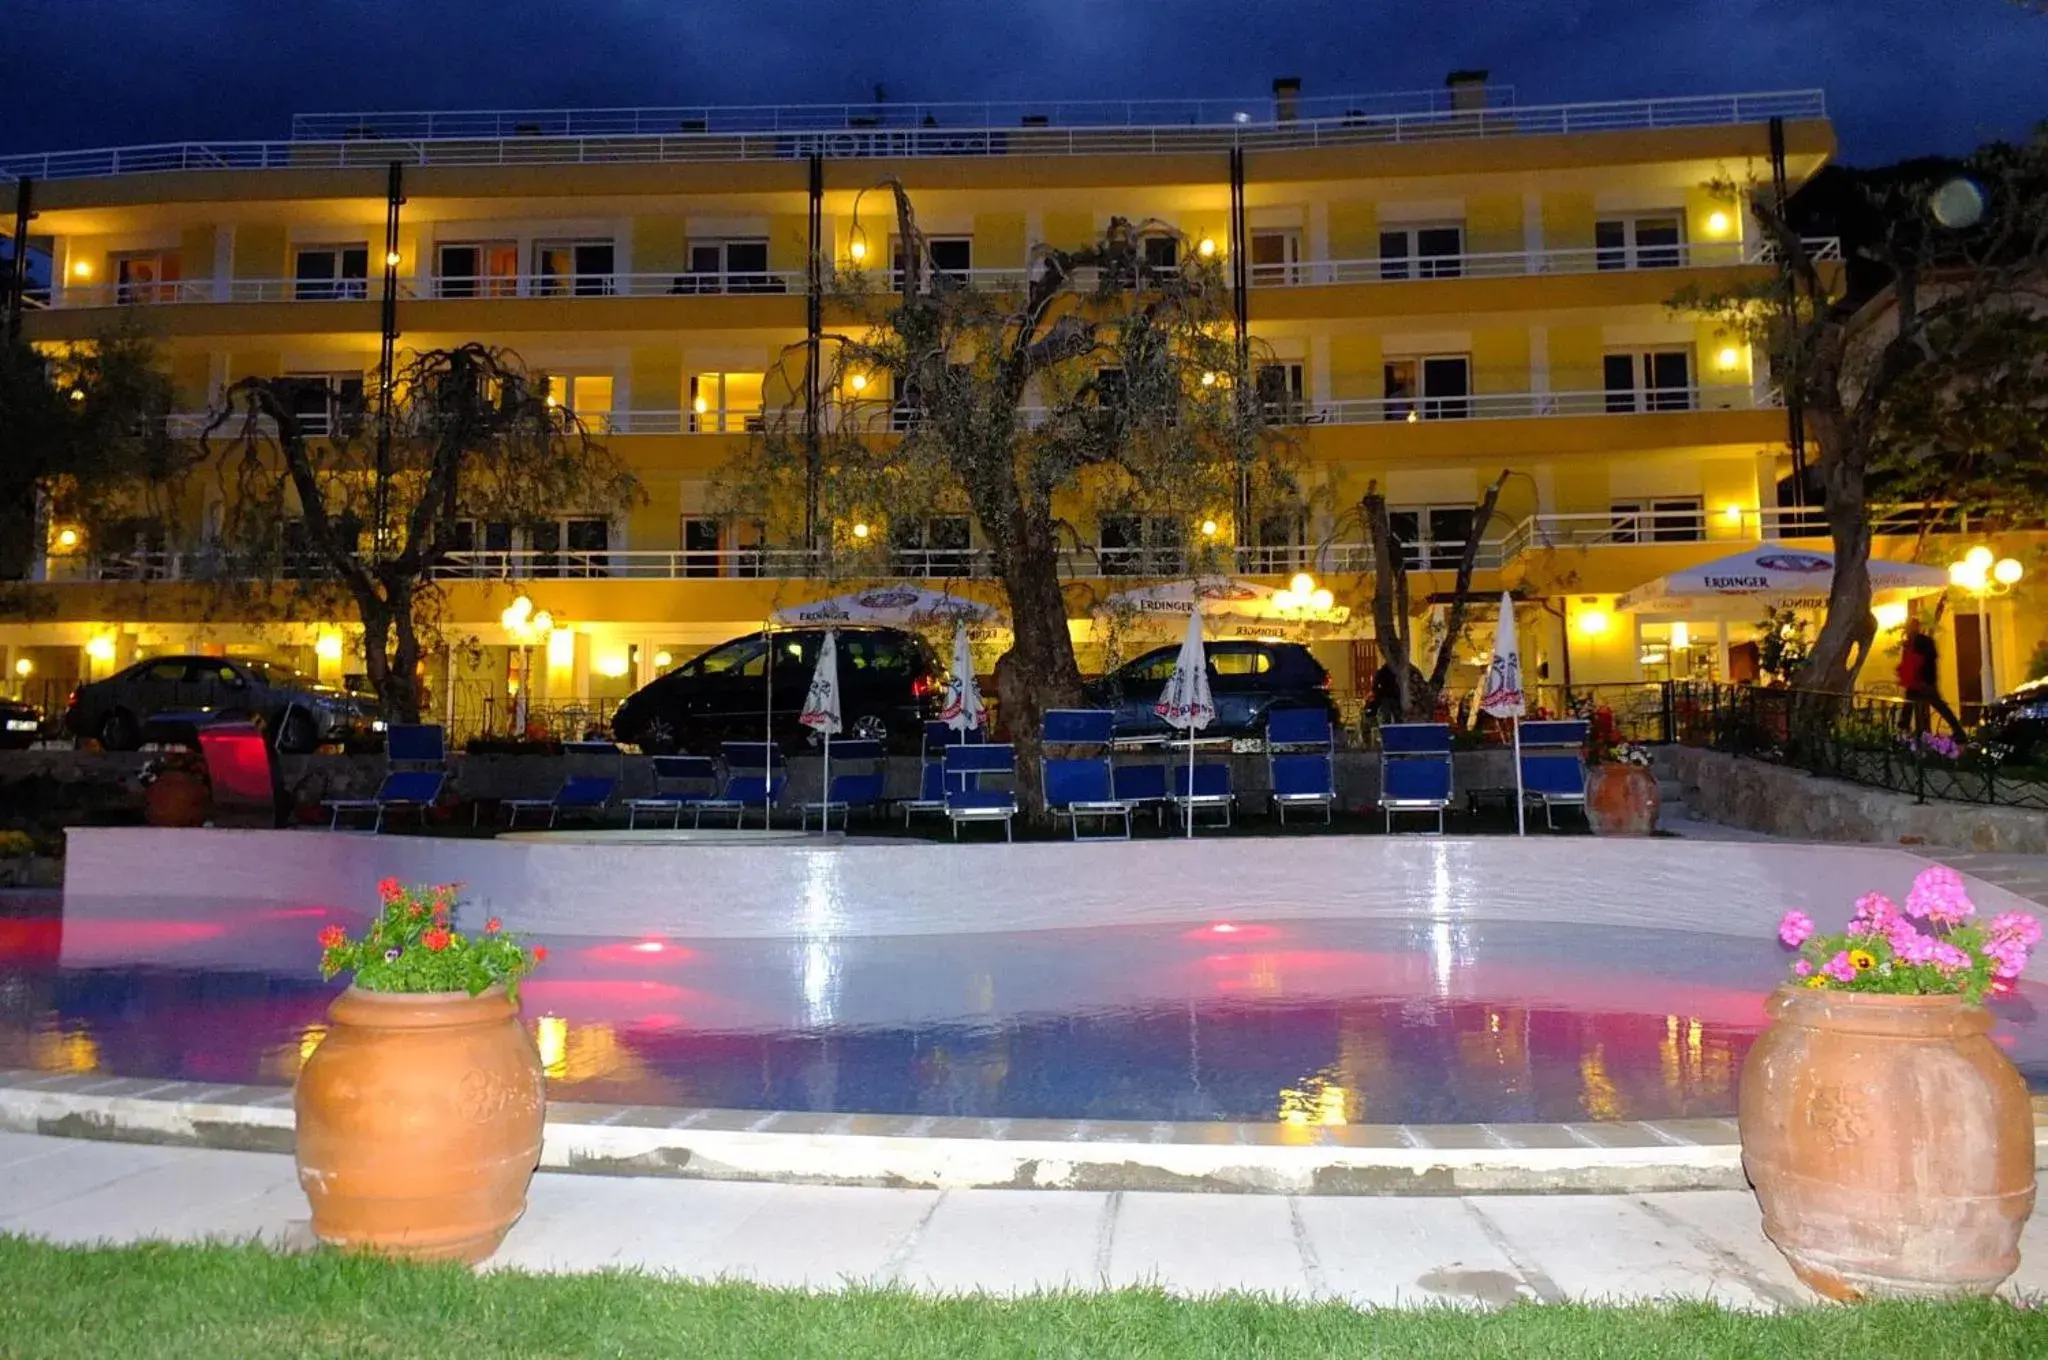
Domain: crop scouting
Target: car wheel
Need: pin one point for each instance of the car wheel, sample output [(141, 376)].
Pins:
[(296, 734), (119, 732), (870, 727), (658, 738)]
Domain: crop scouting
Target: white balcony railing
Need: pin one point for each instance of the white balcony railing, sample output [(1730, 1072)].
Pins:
[(776, 282), (887, 132)]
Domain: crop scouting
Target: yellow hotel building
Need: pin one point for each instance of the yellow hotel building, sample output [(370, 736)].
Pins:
[(1450, 285)]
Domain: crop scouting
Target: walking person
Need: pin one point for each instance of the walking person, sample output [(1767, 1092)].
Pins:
[(1920, 678)]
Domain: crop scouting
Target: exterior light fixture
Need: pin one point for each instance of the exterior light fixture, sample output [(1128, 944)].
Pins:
[(1733, 514), (1321, 599), (1717, 222), (860, 530), (1208, 528), (101, 648), (1889, 616), (561, 647), (1978, 559), (24, 668), (2008, 572), (1413, 415), (1594, 622), (78, 394), (700, 405), (1303, 584), (81, 269), (328, 647), (1209, 379), (67, 538), (857, 248), (391, 259), (663, 660), (858, 382), (1729, 357), (613, 665), (1681, 637), (1206, 247)]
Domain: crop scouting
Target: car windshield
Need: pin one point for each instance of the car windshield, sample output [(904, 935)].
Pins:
[(270, 673)]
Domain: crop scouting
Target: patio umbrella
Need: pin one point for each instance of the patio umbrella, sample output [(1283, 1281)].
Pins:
[(902, 606), (821, 714), (1234, 607), (1501, 695), (1187, 702), (1772, 573), (963, 708)]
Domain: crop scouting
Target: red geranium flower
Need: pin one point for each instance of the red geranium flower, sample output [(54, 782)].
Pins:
[(540, 952), (419, 909), (493, 926), (389, 889), (333, 937), (435, 940)]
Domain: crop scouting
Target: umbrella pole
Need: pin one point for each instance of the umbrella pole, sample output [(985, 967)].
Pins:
[(1521, 804), (1189, 805), (767, 722), (825, 794)]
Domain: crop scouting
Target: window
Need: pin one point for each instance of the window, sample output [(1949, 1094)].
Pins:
[(1161, 254), (1422, 252), (486, 547), (736, 266), (1649, 380), (746, 657), (1432, 537), (872, 654), (146, 276), (1279, 388), (725, 403), (325, 403), (323, 273), (1141, 545), (571, 547), (572, 268), (470, 269), (1276, 258), (700, 545), (952, 256), (1240, 662), (934, 545), (1278, 547), (1655, 241), (587, 396), (1430, 387), (1674, 520)]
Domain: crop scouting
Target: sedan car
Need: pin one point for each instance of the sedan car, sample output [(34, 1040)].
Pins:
[(2019, 722), (1247, 679), (889, 683), (20, 723), (302, 712)]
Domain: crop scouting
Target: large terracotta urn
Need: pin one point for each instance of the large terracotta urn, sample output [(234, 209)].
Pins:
[(1622, 800), (1891, 1143), (176, 797), (419, 1123)]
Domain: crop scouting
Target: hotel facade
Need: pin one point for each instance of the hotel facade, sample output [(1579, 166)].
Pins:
[(1442, 287)]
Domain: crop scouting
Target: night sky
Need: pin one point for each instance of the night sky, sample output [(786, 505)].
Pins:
[(1903, 77)]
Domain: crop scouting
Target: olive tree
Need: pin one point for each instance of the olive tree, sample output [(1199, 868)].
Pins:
[(1416, 694), (1098, 380), (369, 506)]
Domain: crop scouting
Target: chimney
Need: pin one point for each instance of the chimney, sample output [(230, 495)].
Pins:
[(1468, 90), (1287, 99)]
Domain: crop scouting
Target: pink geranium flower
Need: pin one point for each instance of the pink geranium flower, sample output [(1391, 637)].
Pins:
[(1839, 968), (1795, 929), (1938, 894)]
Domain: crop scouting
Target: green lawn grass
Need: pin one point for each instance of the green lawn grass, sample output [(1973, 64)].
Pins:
[(164, 1301)]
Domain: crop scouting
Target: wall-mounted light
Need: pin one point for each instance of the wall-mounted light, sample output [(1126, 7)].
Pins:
[(101, 648), (858, 382), (67, 539), (1718, 223), (1208, 528), (662, 660), (78, 394), (860, 530), (700, 405), (1413, 415), (613, 665), (1729, 357), (81, 269), (328, 647), (24, 668), (391, 259), (562, 647), (1209, 379), (1889, 616), (1681, 637), (1594, 622), (857, 248), (1733, 514), (1206, 247)]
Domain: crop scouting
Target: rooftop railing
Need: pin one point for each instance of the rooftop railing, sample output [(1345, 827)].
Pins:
[(840, 134)]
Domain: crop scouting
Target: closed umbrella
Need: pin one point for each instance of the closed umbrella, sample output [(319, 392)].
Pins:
[(1187, 702), (1501, 694), (821, 713), (963, 709)]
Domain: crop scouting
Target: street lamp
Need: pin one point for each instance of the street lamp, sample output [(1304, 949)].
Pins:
[(526, 627), (1986, 576)]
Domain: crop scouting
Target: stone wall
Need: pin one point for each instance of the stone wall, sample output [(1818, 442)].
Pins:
[(1785, 802)]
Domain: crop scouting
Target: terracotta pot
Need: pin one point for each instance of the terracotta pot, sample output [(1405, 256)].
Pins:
[(176, 798), (1891, 1144), (1622, 800), (419, 1123)]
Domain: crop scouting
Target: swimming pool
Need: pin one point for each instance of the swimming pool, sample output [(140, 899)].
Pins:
[(1224, 1017)]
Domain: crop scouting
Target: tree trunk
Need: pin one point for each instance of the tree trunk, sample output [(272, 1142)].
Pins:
[(1845, 637), (1390, 618), (1468, 561), (400, 692), (1041, 672)]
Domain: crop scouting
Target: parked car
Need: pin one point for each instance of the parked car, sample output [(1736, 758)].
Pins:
[(2019, 720), (890, 681), (1247, 679), (20, 723), (302, 712)]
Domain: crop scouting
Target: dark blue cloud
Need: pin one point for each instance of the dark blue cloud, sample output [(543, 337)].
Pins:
[(1904, 77)]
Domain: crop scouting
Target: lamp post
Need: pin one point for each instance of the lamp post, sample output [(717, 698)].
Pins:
[(526, 627), (1985, 576)]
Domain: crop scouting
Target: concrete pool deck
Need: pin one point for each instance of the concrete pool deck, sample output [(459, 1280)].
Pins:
[(1364, 1250)]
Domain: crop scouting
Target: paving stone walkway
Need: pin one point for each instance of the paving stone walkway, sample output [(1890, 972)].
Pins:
[(1386, 1251)]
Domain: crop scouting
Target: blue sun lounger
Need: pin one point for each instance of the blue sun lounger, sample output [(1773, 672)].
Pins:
[(1554, 766), (858, 787), (591, 793), (1415, 770), (681, 784), (1300, 757), (1082, 785), (977, 804), (416, 755)]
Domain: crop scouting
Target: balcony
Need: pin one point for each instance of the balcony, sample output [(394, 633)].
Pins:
[(896, 131)]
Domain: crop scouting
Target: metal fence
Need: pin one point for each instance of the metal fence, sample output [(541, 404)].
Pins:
[(1863, 740)]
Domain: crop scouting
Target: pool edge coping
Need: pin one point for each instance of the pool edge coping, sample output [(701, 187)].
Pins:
[(936, 1152)]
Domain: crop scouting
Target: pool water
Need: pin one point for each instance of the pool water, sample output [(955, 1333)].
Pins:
[(1323, 1022)]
